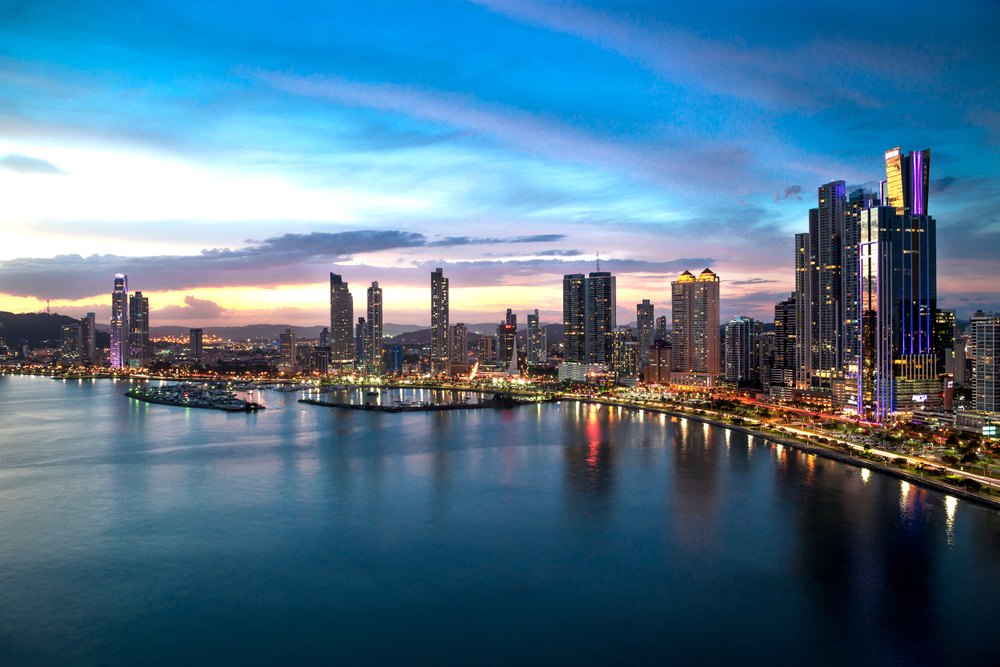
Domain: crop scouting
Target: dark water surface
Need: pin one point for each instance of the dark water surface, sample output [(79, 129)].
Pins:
[(135, 534)]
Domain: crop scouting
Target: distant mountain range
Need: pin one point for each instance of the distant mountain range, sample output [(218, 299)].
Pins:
[(40, 329)]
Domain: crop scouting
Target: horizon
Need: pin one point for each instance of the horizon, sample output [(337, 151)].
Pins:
[(226, 161)]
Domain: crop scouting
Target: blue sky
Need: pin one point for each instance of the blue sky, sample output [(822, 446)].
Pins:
[(228, 155)]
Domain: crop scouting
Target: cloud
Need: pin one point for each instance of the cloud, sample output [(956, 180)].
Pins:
[(560, 253), (24, 164), (941, 185), (450, 241), (193, 309), (751, 281), (792, 191)]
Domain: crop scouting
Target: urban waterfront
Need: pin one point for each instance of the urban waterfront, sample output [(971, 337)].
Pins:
[(133, 533)]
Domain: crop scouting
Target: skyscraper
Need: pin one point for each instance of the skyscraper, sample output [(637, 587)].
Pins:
[(898, 301), (661, 329), (600, 316), (507, 338), (119, 322), (826, 225), (574, 318), (803, 312), (459, 339), (360, 345), (695, 337), (741, 349), (439, 315), (88, 334), (944, 336), (624, 353), (70, 341), (784, 367), (536, 340), (138, 331), (373, 329), (908, 181), (195, 337), (644, 324), (287, 348), (987, 392), (341, 316)]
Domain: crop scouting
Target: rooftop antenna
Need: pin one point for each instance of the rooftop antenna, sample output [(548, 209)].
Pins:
[(598, 262)]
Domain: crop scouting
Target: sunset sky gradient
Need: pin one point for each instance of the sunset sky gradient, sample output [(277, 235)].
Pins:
[(227, 156)]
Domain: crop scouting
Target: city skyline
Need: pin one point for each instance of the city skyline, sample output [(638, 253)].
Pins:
[(397, 156)]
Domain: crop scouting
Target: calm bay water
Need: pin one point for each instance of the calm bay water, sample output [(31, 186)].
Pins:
[(134, 534)]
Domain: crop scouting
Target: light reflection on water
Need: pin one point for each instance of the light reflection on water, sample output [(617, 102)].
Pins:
[(565, 533)]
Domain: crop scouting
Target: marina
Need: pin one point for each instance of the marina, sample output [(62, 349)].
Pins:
[(193, 396)]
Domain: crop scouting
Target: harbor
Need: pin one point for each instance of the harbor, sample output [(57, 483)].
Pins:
[(193, 396)]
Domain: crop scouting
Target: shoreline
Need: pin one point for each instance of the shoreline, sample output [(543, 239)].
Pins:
[(818, 450)]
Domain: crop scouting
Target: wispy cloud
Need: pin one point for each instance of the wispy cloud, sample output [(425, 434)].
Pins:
[(25, 164)]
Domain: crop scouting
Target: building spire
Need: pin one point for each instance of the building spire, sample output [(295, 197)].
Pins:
[(598, 262)]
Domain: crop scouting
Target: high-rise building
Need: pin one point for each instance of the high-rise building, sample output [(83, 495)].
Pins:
[(536, 340), (661, 330), (373, 329), (138, 331), (88, 336), (850, 293), (898, 302), (987, 392), (574, 318), (908, 181), (600, 316), (321, 359), (741, 350), (784, 366), (341, 316), (658, 370), (360, 345), (624, 353), (439, 315), (70, 341), (645, 325), (507, 338), (287, 348), (195, 338), (485, 352), (396, 357), (324, 336), (826, 225), (803, 312), (944, 336), (695, 336), (459, 341), (119, 322)]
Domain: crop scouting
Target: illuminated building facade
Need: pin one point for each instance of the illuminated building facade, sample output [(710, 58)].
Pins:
[(287, 349), (341, 317), (695, 336), (138, 331), (373, 329), (908, 181), (507, 338), (661, 330), (987, 392), (536, 351), (459, 340), (195, 342), (88, 336), (574, 318), (645, 324), (119, 322), (439, 316), (624, 353), (600, 317), (741, 349)]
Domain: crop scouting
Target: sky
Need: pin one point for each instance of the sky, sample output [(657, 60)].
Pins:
[(228, 156)]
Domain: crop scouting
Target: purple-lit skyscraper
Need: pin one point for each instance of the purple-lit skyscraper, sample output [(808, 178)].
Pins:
[(119, 322)]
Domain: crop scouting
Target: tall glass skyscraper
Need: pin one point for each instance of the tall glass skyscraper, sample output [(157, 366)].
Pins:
[(341, 319), (600, 317), (373, 329), (439, 316), (741, 349), (138, 331), (908, 181), (695, 313), (574, 308), (536, 340), (645, 325), (119, 322)]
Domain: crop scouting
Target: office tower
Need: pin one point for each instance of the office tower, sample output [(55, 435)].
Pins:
[(287, 348), (321, 359), (341, 317), (574, 317), (88, 335), (373, 329), (826, 224), (987, 391), (741, 349), (536, 352), (857, 201), (458, 339), (195, 337), (600, 316), (138, 331), (970, 343), (645, 325), (908, 181), (439, 315), (624, 353), (695, 336), (70, 339), (119, 322), (803, 312), (784, 367), (324, 336), (507, 339), (360, 345), (485, 350), (944, 336), (898, 302), (396, 357), (661, 330)]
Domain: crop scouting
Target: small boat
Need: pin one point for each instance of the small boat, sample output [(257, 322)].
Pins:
[(373, 393)]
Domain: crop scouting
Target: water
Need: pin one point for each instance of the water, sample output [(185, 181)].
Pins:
[(134, 534)]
